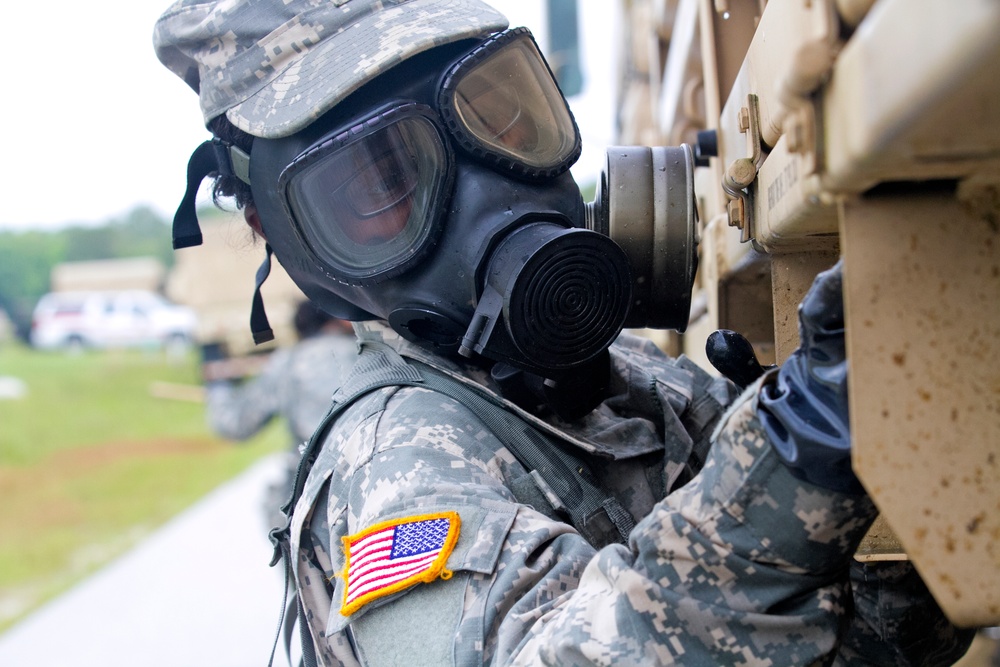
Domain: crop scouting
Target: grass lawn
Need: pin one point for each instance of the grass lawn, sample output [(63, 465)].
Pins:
[(91, 461)]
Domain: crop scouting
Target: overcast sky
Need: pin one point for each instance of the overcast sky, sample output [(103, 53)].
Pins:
[(95, 126)]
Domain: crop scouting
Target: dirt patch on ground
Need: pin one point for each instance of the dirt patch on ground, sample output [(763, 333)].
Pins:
[(101, 455), (55, 470), (41, 494)]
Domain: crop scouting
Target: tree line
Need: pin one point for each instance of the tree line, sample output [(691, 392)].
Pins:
[(28, 257)]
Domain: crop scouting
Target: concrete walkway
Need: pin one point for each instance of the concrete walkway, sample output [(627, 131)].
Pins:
[(197, 593)]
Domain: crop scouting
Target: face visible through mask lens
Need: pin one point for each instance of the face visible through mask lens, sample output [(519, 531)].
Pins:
[(497, 112), (502, 98), (378, 193), (368, 201)]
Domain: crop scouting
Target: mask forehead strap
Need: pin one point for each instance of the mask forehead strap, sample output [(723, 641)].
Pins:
[(212, 156), (186, 231), (259, 325)]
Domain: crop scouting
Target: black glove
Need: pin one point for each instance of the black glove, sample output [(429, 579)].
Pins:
[(732, 355), (804, 407)]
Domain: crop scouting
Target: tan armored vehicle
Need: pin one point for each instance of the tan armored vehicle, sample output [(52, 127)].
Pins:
[(871, 129)]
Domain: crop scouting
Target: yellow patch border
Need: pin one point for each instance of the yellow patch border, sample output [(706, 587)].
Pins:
[(435, 570)]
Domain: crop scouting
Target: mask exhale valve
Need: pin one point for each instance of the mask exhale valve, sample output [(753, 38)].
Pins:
[(552, 295), (645, 202)]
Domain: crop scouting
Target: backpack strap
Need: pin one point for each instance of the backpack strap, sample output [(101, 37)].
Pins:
[(594, 512), (374, 369)]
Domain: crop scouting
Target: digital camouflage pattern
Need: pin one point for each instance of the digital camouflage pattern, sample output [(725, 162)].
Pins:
[(740, 564), (274, 66), (897, 621), (743, 564)]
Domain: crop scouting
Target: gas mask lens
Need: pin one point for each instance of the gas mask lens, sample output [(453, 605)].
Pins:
[(383, 183), (501, 102), (365, 202)]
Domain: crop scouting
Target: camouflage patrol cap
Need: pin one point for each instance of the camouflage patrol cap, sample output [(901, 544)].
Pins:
[(274, 66)]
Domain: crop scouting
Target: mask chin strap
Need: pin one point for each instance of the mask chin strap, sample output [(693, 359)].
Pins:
[(259, 325)]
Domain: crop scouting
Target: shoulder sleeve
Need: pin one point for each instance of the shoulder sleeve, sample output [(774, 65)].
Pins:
[(433, 456), (744, 564)]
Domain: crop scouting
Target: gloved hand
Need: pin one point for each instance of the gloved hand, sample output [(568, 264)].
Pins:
[(803, 407)]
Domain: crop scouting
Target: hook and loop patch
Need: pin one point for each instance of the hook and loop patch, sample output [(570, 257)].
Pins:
[(394, 555)]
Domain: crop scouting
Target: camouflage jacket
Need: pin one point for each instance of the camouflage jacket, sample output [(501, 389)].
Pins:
[(296, 383), (743, 564)]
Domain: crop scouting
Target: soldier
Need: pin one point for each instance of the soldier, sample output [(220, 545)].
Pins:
[(296, 383), (504, 478)]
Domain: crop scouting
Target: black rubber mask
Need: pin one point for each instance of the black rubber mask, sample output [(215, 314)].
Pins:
[(438, 198)]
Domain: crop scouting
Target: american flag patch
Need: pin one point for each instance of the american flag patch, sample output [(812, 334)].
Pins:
[(394, 555)]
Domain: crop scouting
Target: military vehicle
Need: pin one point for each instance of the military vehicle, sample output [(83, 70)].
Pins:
[(868, 129)]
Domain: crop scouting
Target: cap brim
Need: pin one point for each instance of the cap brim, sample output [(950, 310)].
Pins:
[(337, 66)]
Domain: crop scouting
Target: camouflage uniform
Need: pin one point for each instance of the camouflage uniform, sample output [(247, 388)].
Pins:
[(743, 564), (896, 620)]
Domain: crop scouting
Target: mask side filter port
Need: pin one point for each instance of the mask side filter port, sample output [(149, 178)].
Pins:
[(645, 203)]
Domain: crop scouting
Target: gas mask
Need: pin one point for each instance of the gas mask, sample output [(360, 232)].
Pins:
[(437, 197)]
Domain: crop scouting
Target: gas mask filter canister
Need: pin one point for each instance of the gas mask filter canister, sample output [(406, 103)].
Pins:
[(564, 295), (645, 202)]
